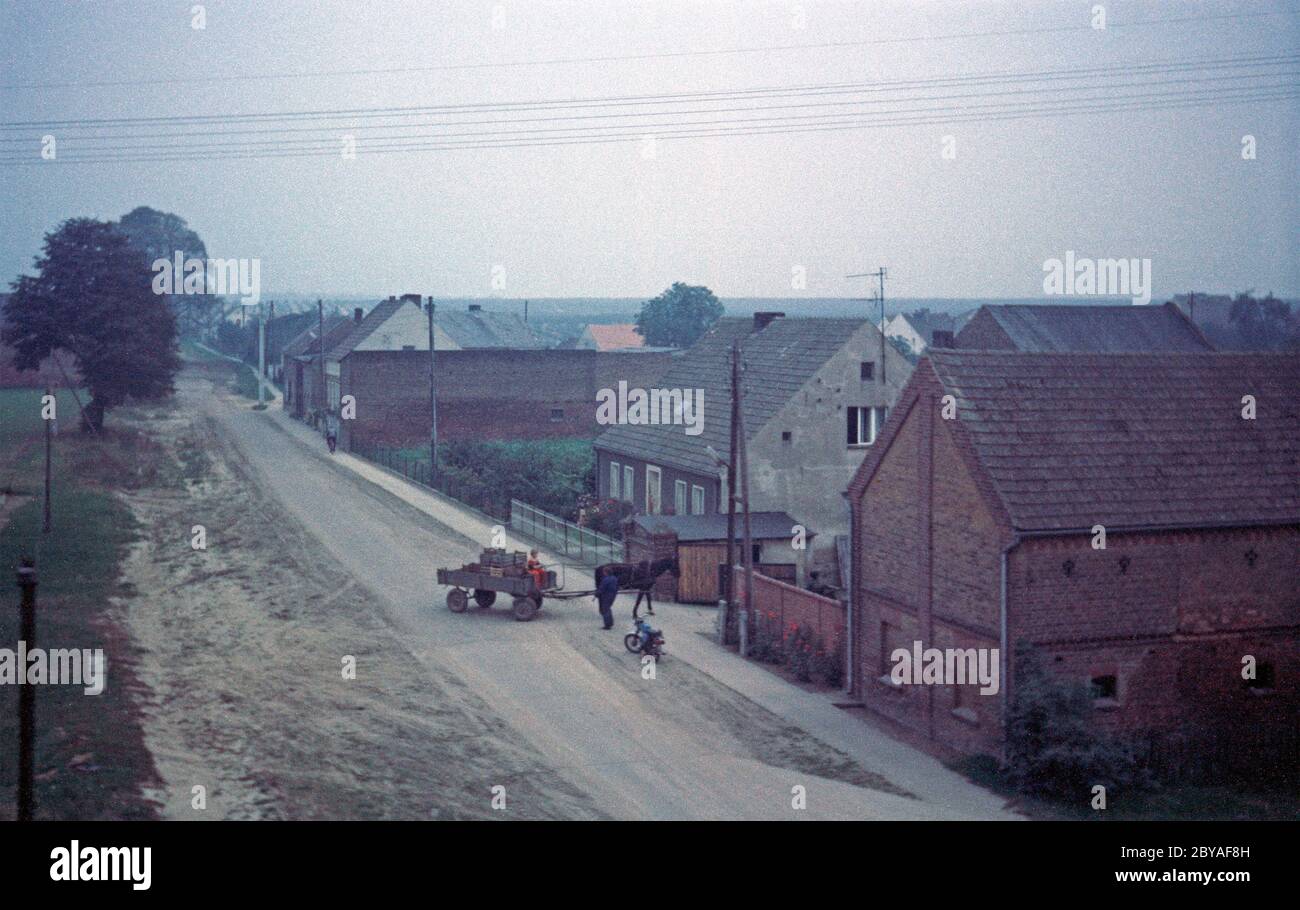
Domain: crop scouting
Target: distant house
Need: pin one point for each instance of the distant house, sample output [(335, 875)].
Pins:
[(982, 531), (815, 394), (1098, 329), (917, 328), (614, 337), (299, 377)]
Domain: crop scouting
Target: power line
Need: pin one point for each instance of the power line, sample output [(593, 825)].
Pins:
[(331, 141), (617, 58), (1166, 68), (687, 132)]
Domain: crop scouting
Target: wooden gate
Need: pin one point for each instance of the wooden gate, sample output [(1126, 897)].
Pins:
[(699, 564)]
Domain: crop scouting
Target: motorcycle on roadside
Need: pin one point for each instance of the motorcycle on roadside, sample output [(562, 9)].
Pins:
[(643, 639)]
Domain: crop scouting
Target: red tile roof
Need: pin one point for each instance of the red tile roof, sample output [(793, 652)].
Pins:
[(1131, 440), (614, 337)]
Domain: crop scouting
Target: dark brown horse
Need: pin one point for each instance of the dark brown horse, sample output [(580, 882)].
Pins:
[(641, 577)]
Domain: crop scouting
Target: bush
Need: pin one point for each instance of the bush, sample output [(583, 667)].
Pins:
[(604, 516), (1052, 746)]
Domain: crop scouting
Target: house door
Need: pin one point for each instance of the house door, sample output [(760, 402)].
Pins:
[(701, 565)]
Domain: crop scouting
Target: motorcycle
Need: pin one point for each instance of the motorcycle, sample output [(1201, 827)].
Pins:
[(644, 640)]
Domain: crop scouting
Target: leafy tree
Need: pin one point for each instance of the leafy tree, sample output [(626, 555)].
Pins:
[(901, 346), (678, 316), (93, 298), (1263, 324), (161, 235)]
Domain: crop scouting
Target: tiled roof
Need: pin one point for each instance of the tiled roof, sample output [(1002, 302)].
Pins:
[(778, 360), (1115, 329), (614, 337), (486, 329), (1131, 440), (369, 323), (307, 336), (762, 525)]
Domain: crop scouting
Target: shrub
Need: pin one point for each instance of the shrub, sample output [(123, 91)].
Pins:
[(1052, 746)]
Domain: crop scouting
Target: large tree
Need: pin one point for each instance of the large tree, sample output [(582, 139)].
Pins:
[(92, 296), (161, 235), (678, 316)]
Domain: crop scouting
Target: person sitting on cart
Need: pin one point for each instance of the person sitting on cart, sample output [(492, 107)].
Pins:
[(536, 569)]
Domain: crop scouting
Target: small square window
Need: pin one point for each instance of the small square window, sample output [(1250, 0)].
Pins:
[(1105, 688), (786, 436), (1263, 681), (868, 370), (557, 415)]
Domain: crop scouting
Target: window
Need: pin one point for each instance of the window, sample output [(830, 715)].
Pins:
[(1105, 689), (679, 497), (408, 347), (786, 436), (868, 370), (1262, 684), (629, 483), (653, 482), (557, 415), (697, 500), (613, 480), (864, 424)]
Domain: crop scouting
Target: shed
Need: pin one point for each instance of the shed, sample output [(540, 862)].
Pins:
[(700, 544)]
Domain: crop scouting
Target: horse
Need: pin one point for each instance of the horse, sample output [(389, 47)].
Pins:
[(641, 576)]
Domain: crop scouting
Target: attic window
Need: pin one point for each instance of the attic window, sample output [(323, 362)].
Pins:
[(786, 436), (557, 415), (1262, 684), (868, 370)]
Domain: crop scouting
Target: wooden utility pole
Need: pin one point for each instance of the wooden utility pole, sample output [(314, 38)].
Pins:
[(744, 497), (731, 485), (320, 317), (26, 692), (880, 273), (49, 429), (433, 403)]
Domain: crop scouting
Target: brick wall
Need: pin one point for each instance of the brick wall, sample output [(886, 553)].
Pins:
[(487, 394), (784, 606)]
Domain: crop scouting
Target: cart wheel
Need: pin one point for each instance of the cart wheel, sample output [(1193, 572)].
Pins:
[(457, 600), (485, 598), (632, 641), (525, 608)]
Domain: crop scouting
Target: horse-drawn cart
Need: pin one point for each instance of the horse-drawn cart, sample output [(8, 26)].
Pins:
[(507, 573)]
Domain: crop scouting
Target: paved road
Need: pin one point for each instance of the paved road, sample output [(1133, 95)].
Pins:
[(565, 686)]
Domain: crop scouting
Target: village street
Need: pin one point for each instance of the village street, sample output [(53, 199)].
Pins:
[(681, 745)]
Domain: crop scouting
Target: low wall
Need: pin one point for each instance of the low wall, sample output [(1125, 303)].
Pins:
[(784, 606)]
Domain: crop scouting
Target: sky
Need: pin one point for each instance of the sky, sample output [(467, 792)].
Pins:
[(780, 215)]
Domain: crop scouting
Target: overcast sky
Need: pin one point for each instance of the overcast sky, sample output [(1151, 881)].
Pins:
[(737, 213)]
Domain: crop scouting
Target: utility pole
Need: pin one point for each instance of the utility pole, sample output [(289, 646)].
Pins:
[(433, 402), (1191, 307), (320, 344), (744, 497), (26, 691), (49, 429), (731, 486), (880, 273), (261, 356)]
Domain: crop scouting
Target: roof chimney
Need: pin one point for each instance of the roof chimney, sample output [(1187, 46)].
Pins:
[(358, 314), (475, 307), (763, 320), (941, 338)]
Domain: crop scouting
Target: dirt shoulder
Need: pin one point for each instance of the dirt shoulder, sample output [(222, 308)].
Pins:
[(243, 646)]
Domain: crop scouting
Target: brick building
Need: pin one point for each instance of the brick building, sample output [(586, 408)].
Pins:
[(980, 531), (484, 394)]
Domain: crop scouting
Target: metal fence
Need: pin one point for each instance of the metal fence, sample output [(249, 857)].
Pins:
[(417, 469), (574, 542)]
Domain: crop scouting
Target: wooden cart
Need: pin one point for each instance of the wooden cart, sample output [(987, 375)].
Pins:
[(485, 582)]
